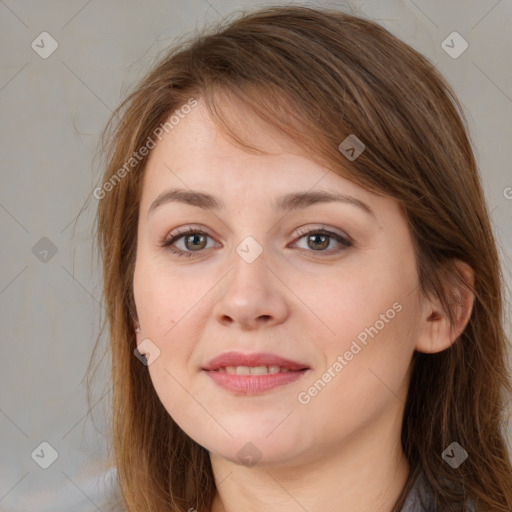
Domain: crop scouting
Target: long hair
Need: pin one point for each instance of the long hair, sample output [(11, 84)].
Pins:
[(318, 76)]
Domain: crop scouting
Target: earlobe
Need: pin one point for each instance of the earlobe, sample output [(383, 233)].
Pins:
[(434, 334), (438, 332), (135, 324), (139, 338)]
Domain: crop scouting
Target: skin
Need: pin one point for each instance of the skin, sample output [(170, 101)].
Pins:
[(341, 450)]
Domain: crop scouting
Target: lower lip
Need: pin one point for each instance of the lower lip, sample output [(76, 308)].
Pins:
[(254, 384)]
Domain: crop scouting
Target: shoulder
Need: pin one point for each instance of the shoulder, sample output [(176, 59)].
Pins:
[(421, 498)]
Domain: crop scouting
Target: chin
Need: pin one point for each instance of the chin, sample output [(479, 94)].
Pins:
[(254, 446)]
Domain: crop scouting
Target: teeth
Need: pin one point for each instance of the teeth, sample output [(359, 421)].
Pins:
[(243, 370), (253, 370), (259, 370)]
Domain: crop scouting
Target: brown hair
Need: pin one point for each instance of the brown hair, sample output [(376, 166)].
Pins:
[(317, 76)]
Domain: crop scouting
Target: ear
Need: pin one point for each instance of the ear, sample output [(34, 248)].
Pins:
[(437, 334), (139, 337), (137, 330)]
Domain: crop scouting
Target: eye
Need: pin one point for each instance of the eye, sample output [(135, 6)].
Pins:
[(194, 240), (320, 239)]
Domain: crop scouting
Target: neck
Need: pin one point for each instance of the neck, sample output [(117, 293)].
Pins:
[(364, 473)]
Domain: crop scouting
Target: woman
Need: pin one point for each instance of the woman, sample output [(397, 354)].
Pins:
[(302, 286)]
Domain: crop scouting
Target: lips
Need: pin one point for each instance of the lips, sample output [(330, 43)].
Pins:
[(238, 360), (253, 374)]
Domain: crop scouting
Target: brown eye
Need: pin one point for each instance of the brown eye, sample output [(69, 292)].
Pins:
[(195, 241), (187, 242), (318, 241)]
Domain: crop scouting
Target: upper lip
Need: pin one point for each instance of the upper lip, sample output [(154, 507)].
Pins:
[(260, 359)]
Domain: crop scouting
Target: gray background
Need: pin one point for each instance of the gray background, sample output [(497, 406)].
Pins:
[(52, 111)]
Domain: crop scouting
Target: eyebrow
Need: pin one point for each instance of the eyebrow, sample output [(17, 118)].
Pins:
[(288, 202)]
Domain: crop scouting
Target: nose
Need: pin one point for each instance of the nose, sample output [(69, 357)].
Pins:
[(251, 296)]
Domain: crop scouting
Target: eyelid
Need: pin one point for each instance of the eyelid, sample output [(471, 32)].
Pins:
[(183, 231), (344, 240), (179, 233), (301, 231), (305, 230)]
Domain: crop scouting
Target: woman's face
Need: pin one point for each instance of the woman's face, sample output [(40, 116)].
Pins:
[(342, 302)]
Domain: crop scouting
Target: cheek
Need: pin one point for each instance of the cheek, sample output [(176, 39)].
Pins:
[(161, 298), (351, 302), (370, 318), (182, 403), (362, 379), (170, 316)]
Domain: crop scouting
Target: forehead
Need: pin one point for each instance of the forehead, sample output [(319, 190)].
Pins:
[(196, 156), (196, 134), (197, 152)]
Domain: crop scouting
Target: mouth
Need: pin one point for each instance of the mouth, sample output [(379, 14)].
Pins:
[(250, 374), (246, 364), (255, 370)]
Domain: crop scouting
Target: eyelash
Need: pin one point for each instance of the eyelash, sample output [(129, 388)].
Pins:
[(168, 242)]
